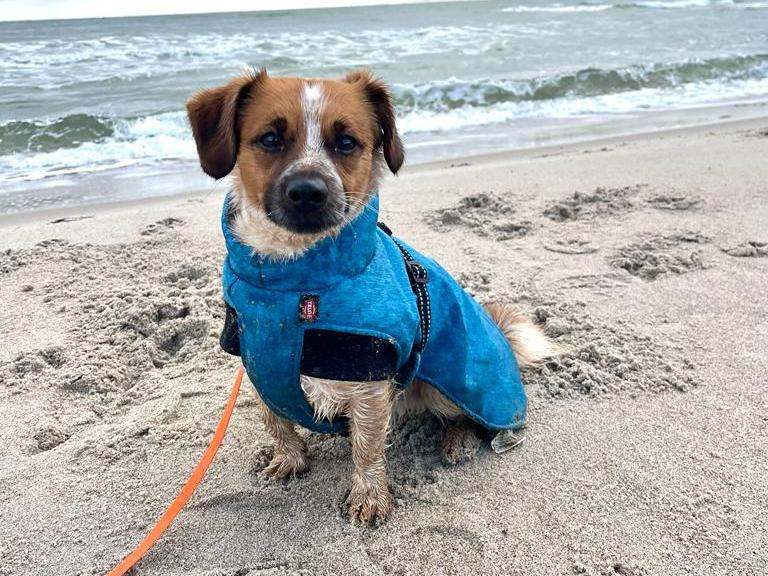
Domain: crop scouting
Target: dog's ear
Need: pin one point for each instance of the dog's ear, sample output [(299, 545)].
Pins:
[(378, 96), (213, 115)]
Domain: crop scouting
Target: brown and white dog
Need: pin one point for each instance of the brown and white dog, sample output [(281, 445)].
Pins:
[(304, 156)]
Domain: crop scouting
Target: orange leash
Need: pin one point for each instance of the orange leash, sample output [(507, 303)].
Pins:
[(189, 488)]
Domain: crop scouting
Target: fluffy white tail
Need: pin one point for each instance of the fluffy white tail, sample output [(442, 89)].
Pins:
[(527, 340)]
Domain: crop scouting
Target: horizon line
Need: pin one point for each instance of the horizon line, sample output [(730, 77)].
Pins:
[(333, 4)]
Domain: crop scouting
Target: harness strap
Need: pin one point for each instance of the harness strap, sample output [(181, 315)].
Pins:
[(417, 278)]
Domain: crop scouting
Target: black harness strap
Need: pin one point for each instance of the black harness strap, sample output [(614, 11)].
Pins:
[(418, 278)]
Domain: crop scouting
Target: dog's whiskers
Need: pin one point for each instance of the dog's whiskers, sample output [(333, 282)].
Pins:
[(356, 206)]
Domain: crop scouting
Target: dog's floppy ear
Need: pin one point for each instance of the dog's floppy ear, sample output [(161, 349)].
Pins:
[(378, 96), (213, 115)]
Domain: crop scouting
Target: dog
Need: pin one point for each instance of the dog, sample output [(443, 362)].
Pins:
[(305, 158)]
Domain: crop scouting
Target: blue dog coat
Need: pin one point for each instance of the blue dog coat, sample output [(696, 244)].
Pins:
[(349, 309)]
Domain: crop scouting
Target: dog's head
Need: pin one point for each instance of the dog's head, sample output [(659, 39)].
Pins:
[(306, 152)]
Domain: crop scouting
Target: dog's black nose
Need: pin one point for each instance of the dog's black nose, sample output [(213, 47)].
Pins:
[(307, 193)]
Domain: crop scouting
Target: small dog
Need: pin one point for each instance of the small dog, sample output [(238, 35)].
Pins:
[(338, 323)]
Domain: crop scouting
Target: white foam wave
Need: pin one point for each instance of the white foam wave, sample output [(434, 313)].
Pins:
[(166, 137), (144, 140), (669, 4), (657, 4), (560, 8), (647, 99), (51, 64)]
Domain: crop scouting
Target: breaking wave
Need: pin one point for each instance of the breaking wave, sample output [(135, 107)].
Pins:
[(75, 143), (640, 4)]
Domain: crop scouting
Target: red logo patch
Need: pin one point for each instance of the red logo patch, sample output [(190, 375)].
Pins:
[(309, 308)]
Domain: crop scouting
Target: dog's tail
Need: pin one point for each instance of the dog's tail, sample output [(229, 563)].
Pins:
[(528, 341)]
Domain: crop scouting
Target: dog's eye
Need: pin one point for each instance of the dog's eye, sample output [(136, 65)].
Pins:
[(271, 142), (345, 144)]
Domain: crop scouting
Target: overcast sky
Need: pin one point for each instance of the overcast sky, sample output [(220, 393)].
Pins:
[(55, 9)]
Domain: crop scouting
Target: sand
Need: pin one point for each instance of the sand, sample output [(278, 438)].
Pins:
[(645, 258)]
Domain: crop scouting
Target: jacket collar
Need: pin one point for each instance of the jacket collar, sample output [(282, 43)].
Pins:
[(324, 265)]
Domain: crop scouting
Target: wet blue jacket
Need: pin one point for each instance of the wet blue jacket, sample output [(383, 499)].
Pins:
[(346, 310)]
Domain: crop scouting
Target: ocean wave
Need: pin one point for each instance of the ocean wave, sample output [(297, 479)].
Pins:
[(118, 143), (644, 100), (45, 136), (72, 131), (31, 150), (53, 64), (560, 8), (451, 94), (653, 4)]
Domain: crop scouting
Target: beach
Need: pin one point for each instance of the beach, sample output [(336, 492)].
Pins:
[(644, 257)]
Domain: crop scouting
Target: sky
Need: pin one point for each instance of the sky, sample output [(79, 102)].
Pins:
[(11, 10)]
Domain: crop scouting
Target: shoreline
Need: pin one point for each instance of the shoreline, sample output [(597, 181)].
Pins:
[(12, 219)]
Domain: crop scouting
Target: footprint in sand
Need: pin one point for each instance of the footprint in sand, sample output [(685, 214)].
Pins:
[(748, 249), (36, 361), (162, 226), (188, 272), (759, 133), (604, 201), (474, 282), (656, 256), (597, 283), (171, 337), (484, 214), (49, 436), (571, 246), (10, 261), (674, 202)]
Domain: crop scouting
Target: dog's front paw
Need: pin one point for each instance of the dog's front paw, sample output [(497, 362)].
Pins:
[(285, 464), (370, 506)]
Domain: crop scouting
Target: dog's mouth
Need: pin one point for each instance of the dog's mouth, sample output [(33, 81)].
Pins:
[(304, 223)]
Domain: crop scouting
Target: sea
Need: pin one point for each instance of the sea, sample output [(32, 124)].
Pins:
[(92, 111)]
